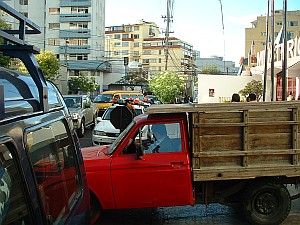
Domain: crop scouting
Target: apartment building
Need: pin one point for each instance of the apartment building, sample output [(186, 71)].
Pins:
[(257, 33), (255, 43), (73, 29), (142, 42)]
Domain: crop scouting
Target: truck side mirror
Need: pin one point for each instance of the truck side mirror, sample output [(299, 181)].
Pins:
[(140, 150)]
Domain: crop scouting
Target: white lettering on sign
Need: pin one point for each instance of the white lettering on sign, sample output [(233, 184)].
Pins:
[(293, 50)]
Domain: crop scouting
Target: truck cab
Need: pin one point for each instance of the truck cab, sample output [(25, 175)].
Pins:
[(146, 180)]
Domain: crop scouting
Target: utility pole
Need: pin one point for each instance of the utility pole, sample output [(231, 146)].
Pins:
[(168, 19)]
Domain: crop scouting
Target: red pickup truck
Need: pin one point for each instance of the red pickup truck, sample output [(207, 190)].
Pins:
[(228, 153)]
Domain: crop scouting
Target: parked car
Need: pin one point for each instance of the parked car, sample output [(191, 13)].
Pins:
[(84, 112), (104, 132)]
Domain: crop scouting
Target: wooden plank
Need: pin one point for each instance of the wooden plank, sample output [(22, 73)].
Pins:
[(229, 173), (257, 152)]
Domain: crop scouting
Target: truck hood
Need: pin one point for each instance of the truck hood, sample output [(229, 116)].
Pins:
[(95, 152)]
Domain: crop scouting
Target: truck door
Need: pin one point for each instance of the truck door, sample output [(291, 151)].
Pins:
[(162, 176)]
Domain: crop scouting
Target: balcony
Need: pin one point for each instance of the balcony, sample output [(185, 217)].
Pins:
[(68, 3), (86, 33), (95, 65), (75, 49), (75, 17)]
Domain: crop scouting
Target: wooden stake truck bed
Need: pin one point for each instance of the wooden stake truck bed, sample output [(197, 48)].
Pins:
[(242, 140)]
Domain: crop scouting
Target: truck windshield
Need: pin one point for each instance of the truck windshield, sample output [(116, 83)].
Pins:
[(116, 143)]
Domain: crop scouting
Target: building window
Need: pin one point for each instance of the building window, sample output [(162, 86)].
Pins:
[(147, 52), (125, 52), (79, 26), (25, 14), (78, 57), (136, 28), (54, 26), (125, 35), (128, 29), (54, 11), (80, 10), (125, 44), (117, 36), (73, 41), (54, 41), (117, 53), (136, 44), (292, 23), (23, 2), (117, 44), (146, 44), (136, 36), (116, 28), (290, 34), (136, 53), (159, 60)]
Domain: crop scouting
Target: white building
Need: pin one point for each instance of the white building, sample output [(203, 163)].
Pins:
[(73, 29), (219, 88)]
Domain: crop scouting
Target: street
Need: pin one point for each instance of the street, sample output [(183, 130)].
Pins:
[(199, 214)]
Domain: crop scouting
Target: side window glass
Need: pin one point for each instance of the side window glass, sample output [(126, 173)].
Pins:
[(156, 138), (13, 208), (164, 138), (56, 170)]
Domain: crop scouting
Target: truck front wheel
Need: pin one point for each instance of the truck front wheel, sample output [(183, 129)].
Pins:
[(266, 202), (95, 208)]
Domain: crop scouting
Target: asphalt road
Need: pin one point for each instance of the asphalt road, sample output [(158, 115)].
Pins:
[(184, 215)]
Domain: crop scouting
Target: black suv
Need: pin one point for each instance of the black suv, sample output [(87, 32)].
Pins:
[(42, 176)]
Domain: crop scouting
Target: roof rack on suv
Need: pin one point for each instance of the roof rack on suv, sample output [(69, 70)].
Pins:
[(16, 47)]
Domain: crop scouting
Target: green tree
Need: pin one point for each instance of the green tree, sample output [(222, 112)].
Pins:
[(167, 86), (48, 62), (135, 78), (210, 69), (4, 60), (82, 83), (255, 87)]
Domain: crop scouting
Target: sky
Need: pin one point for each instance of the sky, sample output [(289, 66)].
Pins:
[(198, 22)]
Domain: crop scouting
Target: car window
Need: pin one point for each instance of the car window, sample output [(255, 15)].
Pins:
[(105, 98), (13, 208), (160, 138), (106, 115), (54, 161)]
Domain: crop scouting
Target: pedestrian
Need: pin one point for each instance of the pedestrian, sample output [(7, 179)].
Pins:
[(129, 105), (235, 98), (252, 97)]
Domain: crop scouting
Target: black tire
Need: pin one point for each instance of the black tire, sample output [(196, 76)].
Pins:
[(266, 203), (96, 209), (81, 129)]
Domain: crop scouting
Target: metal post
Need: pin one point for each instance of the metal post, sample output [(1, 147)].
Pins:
[(266, 52), (272, 49), (284, 59)]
